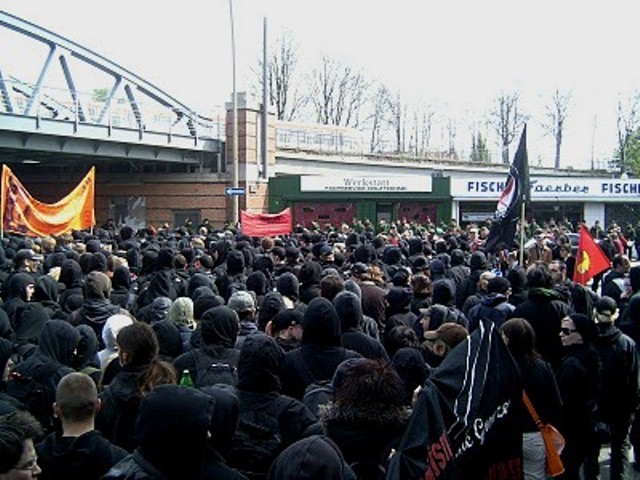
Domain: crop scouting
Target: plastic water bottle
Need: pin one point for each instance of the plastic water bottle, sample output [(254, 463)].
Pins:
[(186, 380)]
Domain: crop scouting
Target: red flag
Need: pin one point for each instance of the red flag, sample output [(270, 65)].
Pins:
[(266, 225), (590, 259)]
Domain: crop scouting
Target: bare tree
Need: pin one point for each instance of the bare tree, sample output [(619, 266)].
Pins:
[(397, 122), (421, 127), (555, 116), (507, 121), (452, 132), (628, 122), (283, 79), (379, 117), (338, 93)]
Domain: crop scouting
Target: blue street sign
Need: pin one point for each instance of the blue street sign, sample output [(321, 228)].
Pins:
[(234, 191)]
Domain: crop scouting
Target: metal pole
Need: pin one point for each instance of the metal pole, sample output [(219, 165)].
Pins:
[(265, 103), (236, 169)]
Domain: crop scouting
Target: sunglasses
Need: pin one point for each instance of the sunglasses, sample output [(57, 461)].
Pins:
[(567, 331)]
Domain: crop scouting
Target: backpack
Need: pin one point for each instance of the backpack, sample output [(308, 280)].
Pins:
[(34, 395), (318, 394), (257, 440), (211, 371)]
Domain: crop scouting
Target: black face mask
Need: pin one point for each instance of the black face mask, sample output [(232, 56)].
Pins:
[(432, 359)]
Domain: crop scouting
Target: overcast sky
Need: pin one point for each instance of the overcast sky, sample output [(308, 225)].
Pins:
[(455, 55)]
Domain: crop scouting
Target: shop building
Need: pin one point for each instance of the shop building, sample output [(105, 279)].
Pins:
[(575, 198), (340, 198)]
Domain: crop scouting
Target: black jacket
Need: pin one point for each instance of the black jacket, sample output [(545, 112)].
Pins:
[(618, 392), (86, 457), (174, 448), (578, 379), (544, 311), (320, 352)]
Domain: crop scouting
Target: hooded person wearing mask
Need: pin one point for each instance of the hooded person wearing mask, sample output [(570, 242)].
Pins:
[(46, 293), (73, 280), (320, 351), (52, 360), (122, 291), (349, 309), (219, 329), (97, 306), (262, 405), (174, 448), (20, 287), (30, 320)]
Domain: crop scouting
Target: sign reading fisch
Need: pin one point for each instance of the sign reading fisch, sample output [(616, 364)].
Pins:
[(358, 183), (568, 188)]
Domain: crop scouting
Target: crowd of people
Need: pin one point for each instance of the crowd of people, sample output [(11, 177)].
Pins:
[(195, 353)]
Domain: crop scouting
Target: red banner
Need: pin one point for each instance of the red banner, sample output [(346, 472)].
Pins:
[(590, 259), (21, 213), (266, 224)]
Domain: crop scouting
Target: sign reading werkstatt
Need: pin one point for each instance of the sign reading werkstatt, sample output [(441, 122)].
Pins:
[(550, 188), (365, 183)]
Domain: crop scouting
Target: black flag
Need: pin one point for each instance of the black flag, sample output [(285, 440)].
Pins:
[(516, 191), (465, 423)]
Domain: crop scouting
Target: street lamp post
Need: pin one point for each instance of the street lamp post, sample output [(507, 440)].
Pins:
[(236, 169)]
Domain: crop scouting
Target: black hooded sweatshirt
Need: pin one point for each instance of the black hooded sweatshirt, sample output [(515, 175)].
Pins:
[(50, 362), (86, 457), (320, 352), (219, 328), (16, 294), (174, 448), (349, 309)]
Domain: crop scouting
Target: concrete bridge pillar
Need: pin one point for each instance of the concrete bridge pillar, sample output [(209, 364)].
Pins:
[(251, 171)]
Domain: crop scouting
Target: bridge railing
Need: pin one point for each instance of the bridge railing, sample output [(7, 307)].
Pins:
[(57, 103)]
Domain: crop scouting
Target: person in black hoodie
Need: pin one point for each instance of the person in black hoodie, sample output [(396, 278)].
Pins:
[(319, 353), (544, 310), (97, 306), (46, 293), (310, 276), (578, 378), (219, 329), (73, 280), (223, 425), (79, 452), (311, 458), (122, 293), (20, 287), (174, 448), (50, 362), (349, 309), (260, 400)]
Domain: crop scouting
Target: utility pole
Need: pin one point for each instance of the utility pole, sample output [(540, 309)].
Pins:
[(236, 168)]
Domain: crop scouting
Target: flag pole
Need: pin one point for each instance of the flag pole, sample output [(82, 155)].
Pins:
[(522, 218)]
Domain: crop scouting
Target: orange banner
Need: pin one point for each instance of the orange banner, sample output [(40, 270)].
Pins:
[(23, 214), (265, 224)]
